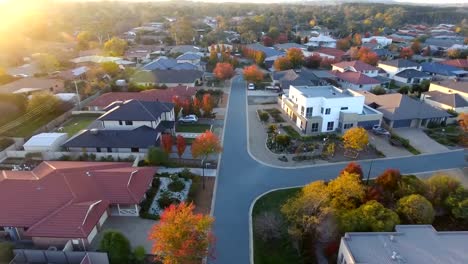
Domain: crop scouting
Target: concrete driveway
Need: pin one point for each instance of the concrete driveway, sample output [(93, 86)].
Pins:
[(382, 144), (420, 140), (135, 229)]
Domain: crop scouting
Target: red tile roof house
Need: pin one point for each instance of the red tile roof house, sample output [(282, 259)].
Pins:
[(161, 95), (60, 201), (459, 63), (355, 80), (330, 53)]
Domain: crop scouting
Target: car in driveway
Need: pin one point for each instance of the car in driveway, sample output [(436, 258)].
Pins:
[(380, 131), (188, 119), (251, 86)]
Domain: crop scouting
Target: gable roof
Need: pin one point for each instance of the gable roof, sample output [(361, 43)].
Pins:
[(382, 52), (357, 65), (189, 56), (134, 110), (438, 68), (66, 199), (459, 63), (461, 86), (398, 106), (412, 73), (161, 95), (284, 75), (269, 52), (453, 100), (400, 63), (331, 51), (355, 77)]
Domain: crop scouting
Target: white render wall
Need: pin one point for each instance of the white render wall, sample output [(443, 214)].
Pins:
[(391, 71), (364, 87), (114, 125)]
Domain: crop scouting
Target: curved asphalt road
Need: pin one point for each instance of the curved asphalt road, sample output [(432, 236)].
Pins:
[(241, 179)]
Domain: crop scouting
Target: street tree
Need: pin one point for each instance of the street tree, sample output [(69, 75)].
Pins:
[(166, 143), (181, 145), (181, 236), (457, 203), (354, 168), (369, 217), (207, 104), (346, 191), (439, 187), (205, 145), (253, 74), (223, 71), (389, 180)]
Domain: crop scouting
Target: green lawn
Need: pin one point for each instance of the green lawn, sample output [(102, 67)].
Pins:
[(27, 129), (77, 123), (274, 252), (192, 128)]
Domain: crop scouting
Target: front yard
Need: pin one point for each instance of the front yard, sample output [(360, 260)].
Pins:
[(451, 136), (192, 128)]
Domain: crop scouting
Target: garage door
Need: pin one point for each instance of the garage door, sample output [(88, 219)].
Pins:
[(368, 124), (402, 123)]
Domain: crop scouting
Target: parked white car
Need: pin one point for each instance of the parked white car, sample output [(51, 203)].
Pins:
[(188, 119), (251, 86)]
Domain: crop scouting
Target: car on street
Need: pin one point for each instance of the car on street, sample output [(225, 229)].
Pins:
[(378, 130), (188, 119), (251, 86)]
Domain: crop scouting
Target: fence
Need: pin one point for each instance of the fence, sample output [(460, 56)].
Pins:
[(75, 155), (23, 256), (18, 143)]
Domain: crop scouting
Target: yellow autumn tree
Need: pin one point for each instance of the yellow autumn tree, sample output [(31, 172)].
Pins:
[(355, 138), (346, 191)]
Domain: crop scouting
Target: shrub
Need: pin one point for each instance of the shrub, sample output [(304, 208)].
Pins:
[(272, 129), (6, 252), (176, 185), (264, 116), (439, 187), (139, 255), (410, 184), (457, 202), (117, 247), (291, 131), (416, 209), (378, 90), (166, 199), (156, 156), (283, 140)]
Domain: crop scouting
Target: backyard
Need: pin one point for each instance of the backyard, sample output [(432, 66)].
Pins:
[(27, 129), (77, 123)]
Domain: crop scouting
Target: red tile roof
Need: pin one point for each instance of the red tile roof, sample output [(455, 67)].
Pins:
[(66, 199), (357, 65), (355, 77), (459, 63), (332, 52), (162, 95)]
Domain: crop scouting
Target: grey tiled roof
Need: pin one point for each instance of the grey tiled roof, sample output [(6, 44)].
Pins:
[(411, 73), (400, 63), (454, 100), (134, 110)]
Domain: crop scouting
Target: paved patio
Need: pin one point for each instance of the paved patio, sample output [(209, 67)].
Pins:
[(420, 140), (135, 229)]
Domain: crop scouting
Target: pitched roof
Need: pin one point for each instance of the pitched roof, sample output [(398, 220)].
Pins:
[(286, 46), (400, 63), (168, 76), (269, 52), (189, 56), (461, 86), (459, 63), (134, 110), (454, 100), (285, 75), (141, 137), (32, 83), (382, 52), (412, 73), (438, 68), (331, 51), (66, 199), (161, 95), (398, 106), (357, 65), (354, 77)]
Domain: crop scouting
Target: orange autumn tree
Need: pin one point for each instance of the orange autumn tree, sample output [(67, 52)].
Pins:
[(166, 143), (295, 56), (207, 104), (182, 237), (223, 71), (181, 145), (205, 145), (406, 53), (282, 64), (355, 138), (253, 74)]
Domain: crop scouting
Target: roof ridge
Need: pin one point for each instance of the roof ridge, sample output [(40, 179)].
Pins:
[(146, 109), (47, 217)]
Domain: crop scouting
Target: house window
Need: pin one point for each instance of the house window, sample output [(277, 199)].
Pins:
[(120, 122), (360, 86), (98, 149), (348, 126), (344, 108), (129, 123), (330, 126), (327, 111), (135, 150), (302, 110), (109, 149), (309, 112), (314, 127), (321, 110)]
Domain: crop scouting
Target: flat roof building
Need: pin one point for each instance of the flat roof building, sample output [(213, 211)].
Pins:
[(410, 244)]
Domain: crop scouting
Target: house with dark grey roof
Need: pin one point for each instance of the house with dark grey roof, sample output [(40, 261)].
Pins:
[(164, 63), (393, 67), (130, 126), (400, 110), (170, 78), (190, 57), (302, 77), (269, 52), (411, 76), (445, 101), (442, 70)]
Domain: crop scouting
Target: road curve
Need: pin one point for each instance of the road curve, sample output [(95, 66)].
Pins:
[(241, 179)]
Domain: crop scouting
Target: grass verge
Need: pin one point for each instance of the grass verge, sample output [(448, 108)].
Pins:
[(192, 128)]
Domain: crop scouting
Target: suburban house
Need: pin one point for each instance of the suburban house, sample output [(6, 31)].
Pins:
[(165, 63), (448, 95), (286, 46), (127, 127), (400, 110), (181, 49), (383, 41), (356, 66), (444, 71), (271, 54), (169, 78), (95, 59), (411, 76), (384, 54), (25, 70), (74, 74), (321, 41), (152, 95), (62, 201), (319, 109), (393, 67), (355, 80), (303, 77), (142, 53), (451, 87), (459, 63), (190, 57), (330, 53), (32, 84), (408, 244)]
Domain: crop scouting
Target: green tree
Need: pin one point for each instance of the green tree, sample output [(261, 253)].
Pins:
[(139, 255), (117, 247), (371, 216), (157, 156), (410, 184), (439, 187), (46, 101), (47, 63), (182, 31), (115, 46), (457, 203), (110, 68), (83, 38), (416, 209), (346, 191)]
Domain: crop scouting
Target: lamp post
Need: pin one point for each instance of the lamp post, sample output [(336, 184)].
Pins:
[(369, 172)]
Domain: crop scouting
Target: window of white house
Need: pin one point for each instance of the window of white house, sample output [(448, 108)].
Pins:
[(309, 112), (314, 127), (129, 123), (321, 110), (327, 111), (344, 108), (330, 126), (302, 110), (348, 126), (120, 122)]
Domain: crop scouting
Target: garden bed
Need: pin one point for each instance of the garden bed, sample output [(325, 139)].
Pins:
[(275, 114), (450, 135), (167, 195), (404, 142)]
